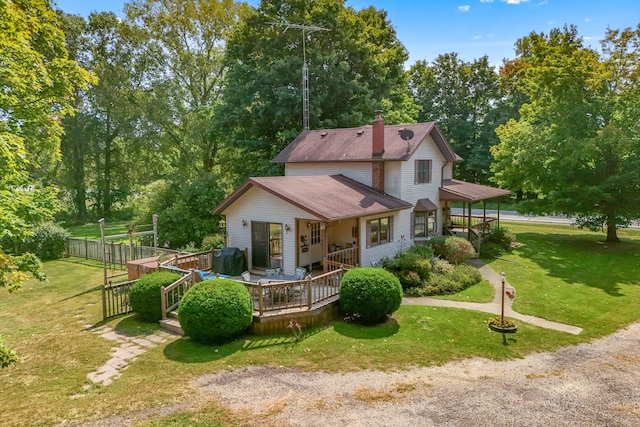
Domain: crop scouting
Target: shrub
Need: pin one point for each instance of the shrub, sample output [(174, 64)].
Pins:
[(496, 243), (454, 249), (449, 281), (410, 267), (215, 311), (212, 242), (369, 295), (48, 241), (144, 295), (501, 236)]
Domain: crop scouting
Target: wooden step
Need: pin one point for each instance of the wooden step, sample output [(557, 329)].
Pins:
[(172, 325), (173, 314)]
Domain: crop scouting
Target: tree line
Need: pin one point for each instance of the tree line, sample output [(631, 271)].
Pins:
[(169, 107)]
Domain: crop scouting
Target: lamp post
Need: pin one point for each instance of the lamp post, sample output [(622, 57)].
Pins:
[(504, 276)]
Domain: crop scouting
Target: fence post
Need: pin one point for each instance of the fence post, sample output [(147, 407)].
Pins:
[(163, 299), (309, 294)]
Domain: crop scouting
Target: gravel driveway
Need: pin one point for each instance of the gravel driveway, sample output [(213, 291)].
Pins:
[(594, 384)]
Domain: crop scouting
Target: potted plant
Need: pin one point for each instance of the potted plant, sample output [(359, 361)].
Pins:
[(500, 324)]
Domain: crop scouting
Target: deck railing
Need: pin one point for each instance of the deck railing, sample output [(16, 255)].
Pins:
[(481, 224), (172, 294), (274, 296), (199, 261), (344, 257), (115, 299)]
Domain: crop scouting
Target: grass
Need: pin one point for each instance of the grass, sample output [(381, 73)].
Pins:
[(572, 276), (560, 273), (92, 230), (482, 292)]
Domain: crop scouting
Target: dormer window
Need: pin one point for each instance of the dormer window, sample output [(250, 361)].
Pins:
[(423, 171)]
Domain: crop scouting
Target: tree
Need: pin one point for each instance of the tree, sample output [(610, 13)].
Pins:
[(463, 98), (180, 45), (354, 68), (37, 82), (576, 142)]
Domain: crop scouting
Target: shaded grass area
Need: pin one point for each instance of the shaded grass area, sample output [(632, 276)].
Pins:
[(572, 276)]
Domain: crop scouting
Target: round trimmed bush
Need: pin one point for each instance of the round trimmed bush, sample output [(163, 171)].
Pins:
[(215, 311), (144, 296), (369, 295)]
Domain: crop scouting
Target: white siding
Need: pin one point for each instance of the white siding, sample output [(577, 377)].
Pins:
[(412, 192), (358, 171), (258, 205), (393, 179), (400, 239)]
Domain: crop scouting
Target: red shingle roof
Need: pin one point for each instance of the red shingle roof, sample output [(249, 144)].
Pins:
[(328, 197), (461, 191), (355, 144)]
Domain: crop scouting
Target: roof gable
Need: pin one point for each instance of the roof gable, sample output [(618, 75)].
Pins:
[(355, 144), (328, 197)]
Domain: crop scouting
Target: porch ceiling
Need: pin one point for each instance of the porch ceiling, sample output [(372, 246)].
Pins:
[(328, 197), (453, 190)]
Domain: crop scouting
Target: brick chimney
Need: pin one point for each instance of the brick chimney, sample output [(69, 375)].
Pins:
[(377, 166)]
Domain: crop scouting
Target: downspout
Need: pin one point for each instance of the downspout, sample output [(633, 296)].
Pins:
[(448, 219)]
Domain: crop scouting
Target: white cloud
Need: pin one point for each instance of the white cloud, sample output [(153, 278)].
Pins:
[(515, 1), (486, 1), (464, 8)]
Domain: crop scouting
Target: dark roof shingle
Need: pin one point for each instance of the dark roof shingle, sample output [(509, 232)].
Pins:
[(328, 197), (355, 144)]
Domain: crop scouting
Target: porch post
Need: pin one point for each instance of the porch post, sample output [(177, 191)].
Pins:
[(469, 223), (325, 247)]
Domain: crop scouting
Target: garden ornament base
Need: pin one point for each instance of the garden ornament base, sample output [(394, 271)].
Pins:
[(503, 326)]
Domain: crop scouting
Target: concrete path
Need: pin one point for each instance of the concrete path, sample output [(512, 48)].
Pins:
[(493, 307)]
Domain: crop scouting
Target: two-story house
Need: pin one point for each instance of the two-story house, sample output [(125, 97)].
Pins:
[(350, 196)]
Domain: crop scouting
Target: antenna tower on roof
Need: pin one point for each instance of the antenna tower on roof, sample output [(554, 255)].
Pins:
[(305, 70)]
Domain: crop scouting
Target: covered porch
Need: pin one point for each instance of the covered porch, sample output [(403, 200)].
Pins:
[(472, 227)]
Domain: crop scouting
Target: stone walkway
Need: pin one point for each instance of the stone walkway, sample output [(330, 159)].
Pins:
[(493, 307), (126, 352)]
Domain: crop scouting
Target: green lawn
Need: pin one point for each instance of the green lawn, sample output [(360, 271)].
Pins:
[(559, 273), (572, 276), (91, 230)]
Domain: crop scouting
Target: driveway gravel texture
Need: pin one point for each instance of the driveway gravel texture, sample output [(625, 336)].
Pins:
[(592, 384)]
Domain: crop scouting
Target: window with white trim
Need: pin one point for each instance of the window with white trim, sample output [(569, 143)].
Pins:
[(379, 231), (423, 171), (424, 224)]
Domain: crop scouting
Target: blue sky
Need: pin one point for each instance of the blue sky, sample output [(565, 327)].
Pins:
[(472, 28)]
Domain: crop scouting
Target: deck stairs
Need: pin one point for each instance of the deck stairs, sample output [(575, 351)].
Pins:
[(171, 323)]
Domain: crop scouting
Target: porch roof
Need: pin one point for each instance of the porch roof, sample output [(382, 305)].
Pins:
[(454, 190), (327, 197)]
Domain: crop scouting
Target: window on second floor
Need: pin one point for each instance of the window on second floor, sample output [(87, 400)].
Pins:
[(423, 171)]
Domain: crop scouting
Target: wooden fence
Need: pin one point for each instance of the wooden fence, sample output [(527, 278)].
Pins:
[(118, 254)]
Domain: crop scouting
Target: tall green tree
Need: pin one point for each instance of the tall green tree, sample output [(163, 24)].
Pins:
[(576, 143), (354, 68), (37, 83), (464, 99), (180, 45)]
